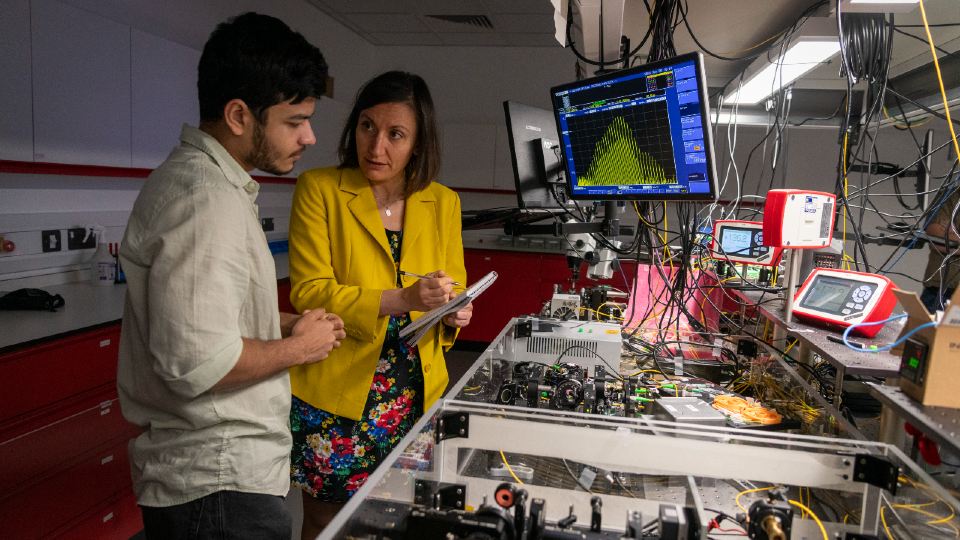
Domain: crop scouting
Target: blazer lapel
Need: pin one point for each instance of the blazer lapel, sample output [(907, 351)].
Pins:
[(364, 207), (420, 216)]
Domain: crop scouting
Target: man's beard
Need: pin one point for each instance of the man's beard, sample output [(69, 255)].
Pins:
[(264, 156)]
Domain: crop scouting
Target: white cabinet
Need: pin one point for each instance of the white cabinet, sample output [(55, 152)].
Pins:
[(164, 96), (81, 86), (16, 118), (468, 155)]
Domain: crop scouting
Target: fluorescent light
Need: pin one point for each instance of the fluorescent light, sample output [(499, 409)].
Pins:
[(803, 55), (878, 6)]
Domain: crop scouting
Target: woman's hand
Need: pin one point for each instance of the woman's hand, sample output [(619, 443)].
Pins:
[(426, 294), (461, 318)]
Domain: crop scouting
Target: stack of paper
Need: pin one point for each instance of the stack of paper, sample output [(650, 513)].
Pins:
[(418, 328)]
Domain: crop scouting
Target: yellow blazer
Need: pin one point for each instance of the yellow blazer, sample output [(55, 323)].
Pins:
[(340, 261)]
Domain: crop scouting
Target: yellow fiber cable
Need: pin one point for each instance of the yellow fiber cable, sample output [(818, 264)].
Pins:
[(747, 492), (509, 468), (819, 523), (943, 93), (883, 519)]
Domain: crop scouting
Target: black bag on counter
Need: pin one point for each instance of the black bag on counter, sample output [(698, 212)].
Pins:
[(31, 299)]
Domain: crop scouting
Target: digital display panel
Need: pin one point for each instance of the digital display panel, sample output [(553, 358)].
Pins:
[(736, 241), (830, 295), (742, 242), (638, 134)]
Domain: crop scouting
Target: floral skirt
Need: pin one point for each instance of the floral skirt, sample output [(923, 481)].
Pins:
[(332, 455)]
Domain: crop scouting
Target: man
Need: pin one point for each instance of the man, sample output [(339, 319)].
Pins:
[(204, 352), (943, 269)]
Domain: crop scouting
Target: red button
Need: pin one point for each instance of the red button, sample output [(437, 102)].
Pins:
[(8, 245)]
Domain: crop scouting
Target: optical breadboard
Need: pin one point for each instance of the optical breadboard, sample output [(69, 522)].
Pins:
[(798, 219), (586, 344), (742, 242), (842, 298)]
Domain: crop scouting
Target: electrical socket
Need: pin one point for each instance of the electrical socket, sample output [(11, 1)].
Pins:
[(75, 239), (266, 224), (50, 240)]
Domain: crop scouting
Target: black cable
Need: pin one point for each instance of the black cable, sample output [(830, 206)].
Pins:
[(806, 13)]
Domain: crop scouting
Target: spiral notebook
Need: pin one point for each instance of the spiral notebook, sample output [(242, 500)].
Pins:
[(418, 328)]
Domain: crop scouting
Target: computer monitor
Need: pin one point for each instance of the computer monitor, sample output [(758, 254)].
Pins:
[(535, 154), (638, 134)]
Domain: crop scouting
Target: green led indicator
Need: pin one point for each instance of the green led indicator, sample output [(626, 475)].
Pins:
[(913, 362)]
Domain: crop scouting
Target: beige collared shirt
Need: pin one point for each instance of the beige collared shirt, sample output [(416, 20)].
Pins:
[(200, 277)]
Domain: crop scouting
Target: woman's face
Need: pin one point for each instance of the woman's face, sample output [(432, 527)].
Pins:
[(386, 135)]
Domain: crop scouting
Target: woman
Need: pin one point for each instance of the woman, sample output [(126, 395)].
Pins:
[(354, 231)]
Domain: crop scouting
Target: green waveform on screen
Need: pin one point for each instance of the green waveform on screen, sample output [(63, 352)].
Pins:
[(618, 160)]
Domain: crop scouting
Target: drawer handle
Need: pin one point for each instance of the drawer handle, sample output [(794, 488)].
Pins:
[(106, 459), (107, 517), (105, 343)]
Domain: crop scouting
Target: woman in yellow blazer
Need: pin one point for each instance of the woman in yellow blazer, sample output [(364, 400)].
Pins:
[(353, 230)]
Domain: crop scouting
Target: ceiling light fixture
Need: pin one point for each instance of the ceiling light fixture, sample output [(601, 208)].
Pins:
[(817, 42), (878, 6)]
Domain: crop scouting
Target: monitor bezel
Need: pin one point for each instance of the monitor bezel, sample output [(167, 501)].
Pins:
[(702, 87)]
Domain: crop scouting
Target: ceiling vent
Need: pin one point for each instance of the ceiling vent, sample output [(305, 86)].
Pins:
[(480, 21)]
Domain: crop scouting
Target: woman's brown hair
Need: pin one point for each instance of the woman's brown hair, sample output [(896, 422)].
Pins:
[(398, 87)]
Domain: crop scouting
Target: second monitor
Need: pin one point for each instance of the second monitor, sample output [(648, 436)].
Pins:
[(640, 134)]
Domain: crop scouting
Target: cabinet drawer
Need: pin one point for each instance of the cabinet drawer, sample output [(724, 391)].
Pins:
[(120, 519), (38, 376), (56, 500), (36, 453)]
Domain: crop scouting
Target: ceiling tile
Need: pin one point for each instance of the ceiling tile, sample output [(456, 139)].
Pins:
[(450, 7), (386, 22), (525, 6), (531, 40), (440, 25), (491, 39), (523, 23), (404, 38), (365, 6)]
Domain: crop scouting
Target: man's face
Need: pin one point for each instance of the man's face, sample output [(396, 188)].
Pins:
[(279, 141)]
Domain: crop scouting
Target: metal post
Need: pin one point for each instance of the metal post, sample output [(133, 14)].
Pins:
[(793, 270)]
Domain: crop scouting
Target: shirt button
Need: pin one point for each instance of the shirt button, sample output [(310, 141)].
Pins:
[(426, 368)]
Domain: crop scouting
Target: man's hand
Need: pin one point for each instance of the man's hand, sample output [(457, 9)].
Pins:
[(460, 318), (427, 294), (317, 333)]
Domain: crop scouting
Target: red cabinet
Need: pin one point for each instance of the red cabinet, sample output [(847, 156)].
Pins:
[(63, 442), (36, 377)]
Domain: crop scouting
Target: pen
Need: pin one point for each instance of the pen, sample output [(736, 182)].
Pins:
[(421, 276)]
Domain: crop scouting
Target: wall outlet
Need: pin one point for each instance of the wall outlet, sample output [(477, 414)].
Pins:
[(267, 224), (75, 239), (51, 240)]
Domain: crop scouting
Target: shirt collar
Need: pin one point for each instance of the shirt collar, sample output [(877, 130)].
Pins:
[(232, 170)]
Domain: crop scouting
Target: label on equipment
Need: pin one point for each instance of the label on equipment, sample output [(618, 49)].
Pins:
[(826, 219), (951, 317)]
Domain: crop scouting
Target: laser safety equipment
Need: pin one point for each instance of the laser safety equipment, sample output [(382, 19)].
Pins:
[(842, 298), (742, 242), (798, 219)]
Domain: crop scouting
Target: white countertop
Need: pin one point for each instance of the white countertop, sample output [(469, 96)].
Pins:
[(85, 305)]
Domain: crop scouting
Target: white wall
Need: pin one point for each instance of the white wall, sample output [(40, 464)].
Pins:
[(110, 83)]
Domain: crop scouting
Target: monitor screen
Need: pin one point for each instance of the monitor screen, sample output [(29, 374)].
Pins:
[(638, 134), (830, 294), (535, 154)]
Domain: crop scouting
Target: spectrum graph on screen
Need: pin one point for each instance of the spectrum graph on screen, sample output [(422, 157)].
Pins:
[(637, 133), (623, 146)]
